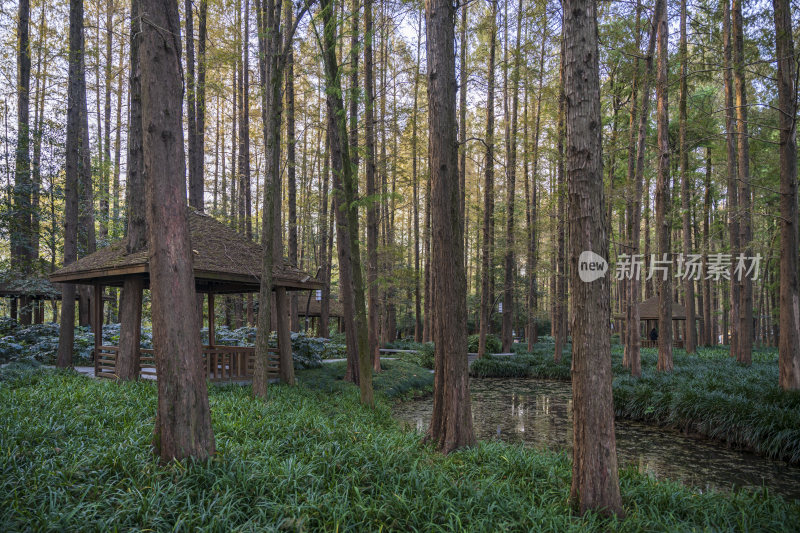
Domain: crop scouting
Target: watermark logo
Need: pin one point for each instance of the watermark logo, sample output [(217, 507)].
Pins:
[(694, 267), (591, 266)]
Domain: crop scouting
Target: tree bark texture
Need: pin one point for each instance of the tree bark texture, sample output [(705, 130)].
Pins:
[(451, 421), (183, 423), (595, 479)]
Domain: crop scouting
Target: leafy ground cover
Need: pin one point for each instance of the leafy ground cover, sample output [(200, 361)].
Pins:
[(708, 393), (75, 456), (39, 343)]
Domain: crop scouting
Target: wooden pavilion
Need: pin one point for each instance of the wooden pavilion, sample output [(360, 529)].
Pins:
[(225, 262), (648, 319), (34, 292)]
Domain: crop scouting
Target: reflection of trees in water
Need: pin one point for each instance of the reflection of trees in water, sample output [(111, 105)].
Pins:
[(539, 413)]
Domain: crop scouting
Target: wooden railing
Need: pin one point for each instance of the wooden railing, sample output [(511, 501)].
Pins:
[(221, 363)]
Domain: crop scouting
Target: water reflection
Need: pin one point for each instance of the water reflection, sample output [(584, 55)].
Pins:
[(539, 413)]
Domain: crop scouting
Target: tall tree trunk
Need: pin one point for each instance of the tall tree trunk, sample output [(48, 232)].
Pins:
[(291, 168), (245, 189), (427, 333), (418, 328), (595, 481), (323, 329), (105, 215), (272, 62), (195, 188), (451, 420), (488, 192), (200, 113), (732, 193), (116, 187), (560, 273), (130, 312), (372, 206), (511, 173), (21, 236), (86, 229), (708, 338), (38, 127), (663, 203), (77, 157), (183, 423), (462, 118), (633, 210), (789, 342), (691, 330), (345, 189), (745, 319), (533, 234)]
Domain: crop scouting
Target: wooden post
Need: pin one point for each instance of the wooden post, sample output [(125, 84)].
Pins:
[(211, 319), (286, 371), (97, 321)]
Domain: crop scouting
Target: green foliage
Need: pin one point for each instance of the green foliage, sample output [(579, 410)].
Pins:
[(499, 367), (407, 343), (422, 356), (396, 379), (493, 344), (76, 456), (39, 342)]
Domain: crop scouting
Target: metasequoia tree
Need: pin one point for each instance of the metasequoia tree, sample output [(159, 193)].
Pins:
[(272, 61), (531, 212), (77, 164), (663, 226), (344, 174), (291, 166), (21, 236), (488, 192), (595, 480), (691, 330), (418, 327), (559, 287), (732, 197), (789, 340), (451, 421), (372, 206), (130, 304), (511, 175), (183, 422), (744, 322)]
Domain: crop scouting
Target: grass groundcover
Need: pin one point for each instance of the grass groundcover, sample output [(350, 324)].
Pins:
[(75, 455)]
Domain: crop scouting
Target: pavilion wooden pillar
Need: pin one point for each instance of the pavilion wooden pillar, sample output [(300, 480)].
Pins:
[(212, 340), (97, 323), (286, 371)]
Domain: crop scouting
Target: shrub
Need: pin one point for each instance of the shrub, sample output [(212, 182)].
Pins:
[(493, 344), (499, 367)]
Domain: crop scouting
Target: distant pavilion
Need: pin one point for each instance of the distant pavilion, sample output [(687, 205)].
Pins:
[(648, 319)]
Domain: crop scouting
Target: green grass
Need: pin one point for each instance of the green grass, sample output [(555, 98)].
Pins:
[(75, 455), (398, 379), (707, 393)]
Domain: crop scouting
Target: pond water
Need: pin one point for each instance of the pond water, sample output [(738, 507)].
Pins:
[(538, 413)]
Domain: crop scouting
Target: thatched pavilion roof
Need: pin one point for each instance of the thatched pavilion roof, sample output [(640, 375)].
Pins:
[(224, 262), (35, 288), (648, 310)]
